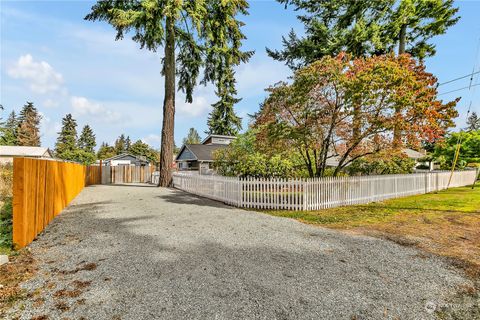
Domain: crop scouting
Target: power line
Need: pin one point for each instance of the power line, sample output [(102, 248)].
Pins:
[(467, 87), (460, 78)]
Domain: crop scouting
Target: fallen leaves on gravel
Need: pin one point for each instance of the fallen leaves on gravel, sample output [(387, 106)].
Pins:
[(20, 268)]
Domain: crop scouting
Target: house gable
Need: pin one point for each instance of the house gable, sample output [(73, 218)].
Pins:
[(186, 154)]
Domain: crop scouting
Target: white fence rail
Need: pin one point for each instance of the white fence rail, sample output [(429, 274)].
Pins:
[(317, 193)]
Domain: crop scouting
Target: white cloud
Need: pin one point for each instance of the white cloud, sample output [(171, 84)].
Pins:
[(40, 76), (260, 73), (83, 107), (153, 140), (51, 103), (199, 107)]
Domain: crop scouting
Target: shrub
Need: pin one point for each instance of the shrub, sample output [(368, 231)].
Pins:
[(6, 210), (382, 164)]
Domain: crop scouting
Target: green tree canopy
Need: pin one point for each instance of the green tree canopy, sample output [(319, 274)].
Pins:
[(105, 151), (140, 148), (363, 28), (206, 34), (192, 137), (86, 141), (28, 132), (66, 143), (469, 149), (9, 130), (473, 122), (121, 144), (222, 119)]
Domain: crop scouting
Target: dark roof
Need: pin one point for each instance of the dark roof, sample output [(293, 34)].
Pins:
[(203, 152)]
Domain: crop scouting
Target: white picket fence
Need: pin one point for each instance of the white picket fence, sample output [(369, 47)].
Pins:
[(316, 193)]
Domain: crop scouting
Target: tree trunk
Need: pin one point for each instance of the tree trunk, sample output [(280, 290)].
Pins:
[(166, 153), (397, 131), (402, 39)]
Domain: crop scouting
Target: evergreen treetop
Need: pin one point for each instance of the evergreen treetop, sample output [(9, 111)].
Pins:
[(28, 131)]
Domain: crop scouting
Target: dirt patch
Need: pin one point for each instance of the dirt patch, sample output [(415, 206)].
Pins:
[(21, 267), (64, 293), (87, 267), (62, 306), (81, 284)]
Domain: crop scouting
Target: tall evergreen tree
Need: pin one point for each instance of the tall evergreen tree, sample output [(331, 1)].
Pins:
[(86, 141), (66, 144), (140, 148), (28, 132), (128, 144), (120, 144), (473, 122), (206, 35), (222, 119), (9, 130), (105, 151), (363, 28), (412, 23), (192, 137)]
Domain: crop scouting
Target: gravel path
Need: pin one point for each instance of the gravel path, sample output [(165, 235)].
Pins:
[(123, 252)]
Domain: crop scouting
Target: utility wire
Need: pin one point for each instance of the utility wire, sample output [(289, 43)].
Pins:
[(467, 87), (460, 78)]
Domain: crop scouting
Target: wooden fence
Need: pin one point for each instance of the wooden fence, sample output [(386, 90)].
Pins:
[(318, 193), (119, 174), (41, 189)]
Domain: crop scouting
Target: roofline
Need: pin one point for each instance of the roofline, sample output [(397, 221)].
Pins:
[(180, 152), (217, 136), (124, 154)]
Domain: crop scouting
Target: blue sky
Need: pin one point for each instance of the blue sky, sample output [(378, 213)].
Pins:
[(51, 56)]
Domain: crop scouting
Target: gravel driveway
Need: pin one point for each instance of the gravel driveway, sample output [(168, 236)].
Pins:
[(126, 252)]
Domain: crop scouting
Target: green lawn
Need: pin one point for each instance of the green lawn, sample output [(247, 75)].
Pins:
[(445, 223)]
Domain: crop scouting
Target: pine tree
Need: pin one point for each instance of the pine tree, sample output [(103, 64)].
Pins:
[(473, 122), (363, 28), (66, 145), (120, 144), (128, 144), (222, 119), (105, 151), (192, 138), (28, 131), (86, 141), (195, 36), (140, 148), (9, 130)]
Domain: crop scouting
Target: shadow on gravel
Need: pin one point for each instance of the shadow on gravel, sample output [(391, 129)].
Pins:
[(181, 197), (154, 264)]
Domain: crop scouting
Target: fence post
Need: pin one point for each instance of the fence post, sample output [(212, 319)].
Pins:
[(304, 189), (239, 190)]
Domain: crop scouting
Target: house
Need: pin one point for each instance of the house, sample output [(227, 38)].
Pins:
[(126, 159), (199, 157), (7, 153)]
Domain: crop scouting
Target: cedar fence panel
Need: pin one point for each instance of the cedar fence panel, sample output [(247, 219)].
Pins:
[(41, 189)]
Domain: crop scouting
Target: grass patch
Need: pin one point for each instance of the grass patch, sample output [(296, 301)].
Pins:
[(446, 223), (6, 211)]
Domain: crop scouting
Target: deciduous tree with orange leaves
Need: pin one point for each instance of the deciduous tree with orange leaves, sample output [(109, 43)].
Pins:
[(391, 101)]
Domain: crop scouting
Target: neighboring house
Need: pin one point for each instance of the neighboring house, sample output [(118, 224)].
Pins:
[(126, 159), (199, 157), (7, 153)]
